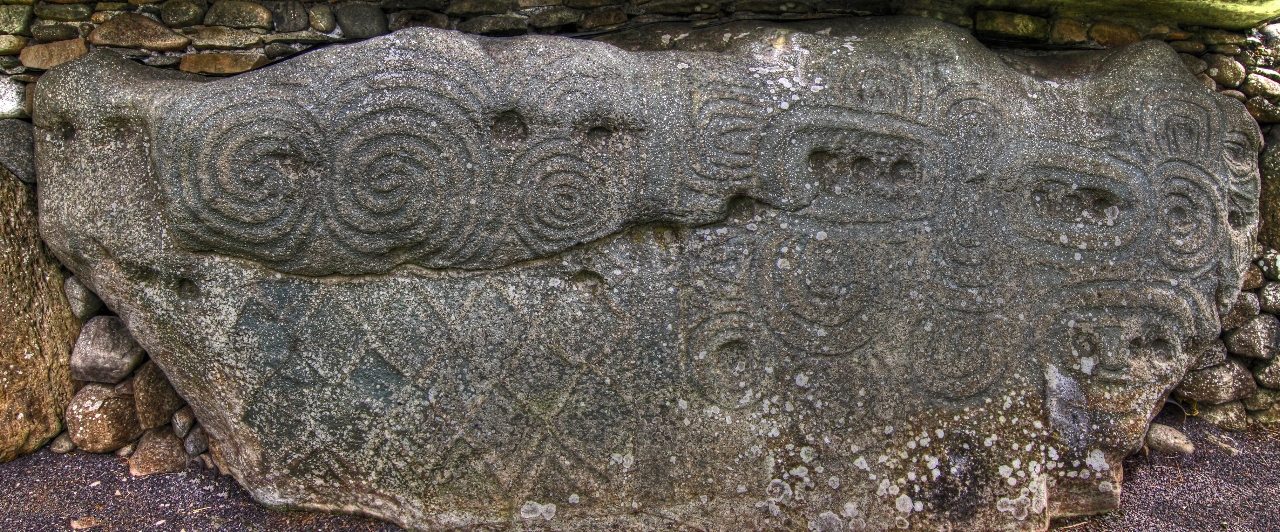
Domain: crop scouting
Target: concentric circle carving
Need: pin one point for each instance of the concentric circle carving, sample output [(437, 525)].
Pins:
[(246, 183), (566, 197)]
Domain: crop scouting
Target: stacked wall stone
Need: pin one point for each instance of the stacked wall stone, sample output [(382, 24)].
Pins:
[(227, 37)]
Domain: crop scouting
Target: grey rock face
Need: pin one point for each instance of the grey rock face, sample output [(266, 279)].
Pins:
[(863, 271), (105, 351)]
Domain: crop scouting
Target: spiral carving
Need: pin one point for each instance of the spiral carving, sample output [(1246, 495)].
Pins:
[(1181, 129), (567, 198), (408, 176), (817, 300), (1188, 217), (244, 181)]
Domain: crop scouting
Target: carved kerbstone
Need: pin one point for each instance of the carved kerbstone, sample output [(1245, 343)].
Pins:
[(851, 273)]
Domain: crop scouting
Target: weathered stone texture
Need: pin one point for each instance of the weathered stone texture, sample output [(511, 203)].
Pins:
[(131, 30), (1229, 381), (37, 328), (848, 272), (154, 397), (158, 451), (105, 352), (102, 419)]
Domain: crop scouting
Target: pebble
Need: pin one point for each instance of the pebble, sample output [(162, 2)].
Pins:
[(195, 442), (416, 18), (11, 44), (154, 397), (50, 31), (1213, 354), (237, 14), (1270, 262), (1253, 278), (1256, 338), (220, 38), (159, 451), (1068, 31), (1188, 47), (1013, 26), (277, 50), (1261, 86), (63, 12), (553, 16), (62, 444), (1222, 37), (322, 19), (1224, 70), (1113, 35), (1267, 373), (100, 420), (181, 13), (288, 15), (603, 17), (46, 56), (1263, 400), (1227, 416), (1263, 111), (222, 63), (131, 30), (127, 450), (183, 420), (1166, 439), (496, 25), (84, 303), (1219, 384), (400, 5), (475, 8), (105, 352), (12, 98), (361, 21)]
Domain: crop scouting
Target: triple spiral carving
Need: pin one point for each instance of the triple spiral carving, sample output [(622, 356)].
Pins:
[(373, 167)]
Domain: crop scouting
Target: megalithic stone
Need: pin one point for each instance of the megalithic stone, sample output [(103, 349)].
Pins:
[(838, 273), (37, 327)]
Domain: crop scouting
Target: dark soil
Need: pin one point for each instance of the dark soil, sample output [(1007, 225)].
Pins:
[(1209, 491)]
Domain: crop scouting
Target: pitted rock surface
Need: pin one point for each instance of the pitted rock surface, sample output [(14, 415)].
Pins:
[(850, 273)]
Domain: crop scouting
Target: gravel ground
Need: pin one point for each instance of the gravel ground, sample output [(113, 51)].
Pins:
[(45, 492), (1214, 489), (1231, 483)]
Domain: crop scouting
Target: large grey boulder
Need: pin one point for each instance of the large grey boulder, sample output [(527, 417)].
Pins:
[(860, 271)]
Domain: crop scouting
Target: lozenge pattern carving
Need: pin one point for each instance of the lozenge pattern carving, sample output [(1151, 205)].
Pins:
[(861, 274)]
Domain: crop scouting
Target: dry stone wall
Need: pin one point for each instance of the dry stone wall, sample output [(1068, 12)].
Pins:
[(227, 37)]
